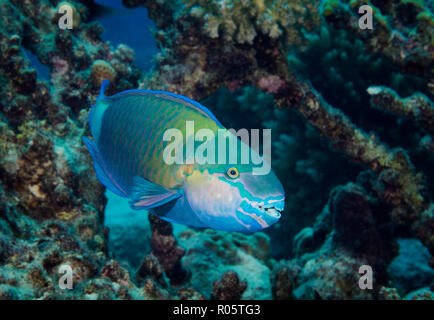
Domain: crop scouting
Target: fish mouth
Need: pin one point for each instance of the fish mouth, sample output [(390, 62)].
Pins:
[(270, 210), (274, 212)]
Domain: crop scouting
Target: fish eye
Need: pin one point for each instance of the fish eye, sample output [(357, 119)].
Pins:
[(232, 173)]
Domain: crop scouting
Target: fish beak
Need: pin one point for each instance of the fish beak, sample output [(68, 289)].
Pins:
[(272, 209), (273, 212)]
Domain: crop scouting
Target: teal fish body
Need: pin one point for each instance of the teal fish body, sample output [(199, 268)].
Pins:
[(128, 144)]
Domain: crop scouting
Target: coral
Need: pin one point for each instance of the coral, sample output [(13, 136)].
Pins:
[(102, 70), (151, 268), (311, 238), (300, 157), (166, 250), (410, 269), (182, 70), (340, 68), (229, 287), (113, 271), (331, 277), (153, 291), (349, 233), (356, 229), (417, 108), (421, 294), (52, 203), (393, 34), (190, 294), (211, 253), (241, 21), (51, 208), (60, 67), (271, 84), (283, 279), (388, 294), (400, 186)]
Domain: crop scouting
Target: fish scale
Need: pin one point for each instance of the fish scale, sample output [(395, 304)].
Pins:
[(123, 130)]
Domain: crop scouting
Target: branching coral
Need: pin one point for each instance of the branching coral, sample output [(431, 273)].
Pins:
[(401, 186), (417, 108), (240, 21), (300, 157), (403, 31)]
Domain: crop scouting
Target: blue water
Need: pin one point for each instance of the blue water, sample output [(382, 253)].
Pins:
[(131, 27), (42, 70)]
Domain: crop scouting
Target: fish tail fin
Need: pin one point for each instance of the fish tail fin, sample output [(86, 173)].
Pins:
[(102, 173)]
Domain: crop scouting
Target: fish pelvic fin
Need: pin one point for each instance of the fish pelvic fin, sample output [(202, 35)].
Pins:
[(146, 195), (101, 170)]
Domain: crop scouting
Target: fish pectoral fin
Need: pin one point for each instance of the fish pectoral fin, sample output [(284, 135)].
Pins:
[(102, 173), (147, 195)]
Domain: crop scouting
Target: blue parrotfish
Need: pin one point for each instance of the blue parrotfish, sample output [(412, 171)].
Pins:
[(127, 151)]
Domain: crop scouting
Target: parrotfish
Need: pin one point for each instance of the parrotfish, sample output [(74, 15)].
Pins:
[(127, 151)]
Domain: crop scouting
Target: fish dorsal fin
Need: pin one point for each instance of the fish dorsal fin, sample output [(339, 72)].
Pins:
[(147, 195), (171, 97), (104, 86), (97, 111)]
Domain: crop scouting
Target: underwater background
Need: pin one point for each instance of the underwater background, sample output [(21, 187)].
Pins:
[(352, 123)]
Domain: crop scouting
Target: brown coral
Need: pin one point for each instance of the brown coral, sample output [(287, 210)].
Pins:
[(417, 108), (100, 71), (229, 287), (166, 249), (53, 203)]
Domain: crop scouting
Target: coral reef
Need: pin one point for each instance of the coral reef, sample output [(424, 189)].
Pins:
[(219, 61), (165, 248), (52, 205), (410, 269), (229, 287), (350, 232), (101, 70), (421, 294), (300, 157), (393, 36), (283, 280), (51, 200), (241, 21), (417, 108), (211, 254)]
